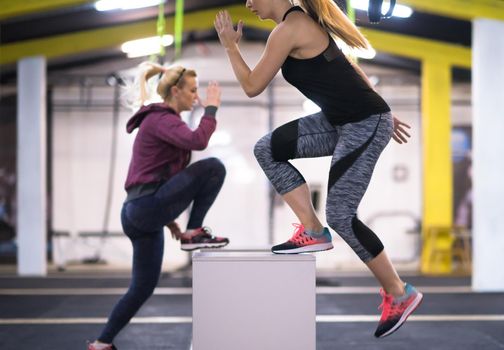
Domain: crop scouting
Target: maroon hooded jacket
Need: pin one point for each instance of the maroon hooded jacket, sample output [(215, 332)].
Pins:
[(164, 143)]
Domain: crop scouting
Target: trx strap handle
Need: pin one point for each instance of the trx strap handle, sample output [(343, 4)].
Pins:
[(375, 10)]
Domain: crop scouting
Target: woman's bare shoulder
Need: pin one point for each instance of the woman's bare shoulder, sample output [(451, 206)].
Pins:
[(305, 31)]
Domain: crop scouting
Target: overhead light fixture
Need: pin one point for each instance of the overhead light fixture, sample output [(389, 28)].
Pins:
[(146, 46), (108, 5), (399, 10)]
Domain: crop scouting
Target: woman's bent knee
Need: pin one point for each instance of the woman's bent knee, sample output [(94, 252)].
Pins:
[(215, 165), (263, 146)]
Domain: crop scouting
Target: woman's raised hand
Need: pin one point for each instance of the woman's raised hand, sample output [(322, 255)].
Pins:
[(175, 230), (224, 27), (213, 95), (400, 134)]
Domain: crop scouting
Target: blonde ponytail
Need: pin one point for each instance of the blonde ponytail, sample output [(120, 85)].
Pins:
[(333, 20), (137, 94), (147, 71)]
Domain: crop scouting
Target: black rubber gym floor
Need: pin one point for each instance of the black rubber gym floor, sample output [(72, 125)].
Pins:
[(65, 309)]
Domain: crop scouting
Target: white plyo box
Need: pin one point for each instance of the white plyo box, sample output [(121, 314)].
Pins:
[(253, 300)]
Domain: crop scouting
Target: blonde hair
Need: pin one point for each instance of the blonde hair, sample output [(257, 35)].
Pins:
[(333, 20), (170, 76)]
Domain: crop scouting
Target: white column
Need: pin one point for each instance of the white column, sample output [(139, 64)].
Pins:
[(488, 156), (31, 167)]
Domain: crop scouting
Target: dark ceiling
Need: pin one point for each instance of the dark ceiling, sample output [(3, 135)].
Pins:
[(85, 17)]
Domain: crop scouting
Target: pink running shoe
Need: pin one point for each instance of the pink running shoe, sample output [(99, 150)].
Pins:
[(203, 239), (302, 242), (395, 311)]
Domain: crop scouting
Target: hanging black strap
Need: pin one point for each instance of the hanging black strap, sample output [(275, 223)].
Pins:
[(375, 10)]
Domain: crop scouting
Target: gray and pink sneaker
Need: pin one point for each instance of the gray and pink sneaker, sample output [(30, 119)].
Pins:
[(395, 311), (302, 242)]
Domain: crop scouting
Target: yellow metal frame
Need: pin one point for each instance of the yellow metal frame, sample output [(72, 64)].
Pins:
[(461, 9), (95, 39), (436, 128), (419, 48), (437, 164), (73, 43), (13, 8)]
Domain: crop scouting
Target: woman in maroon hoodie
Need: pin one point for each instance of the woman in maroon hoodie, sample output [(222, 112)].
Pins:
[(161, 185)]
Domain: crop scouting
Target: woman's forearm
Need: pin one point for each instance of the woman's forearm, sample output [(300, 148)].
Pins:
[(241, 70)]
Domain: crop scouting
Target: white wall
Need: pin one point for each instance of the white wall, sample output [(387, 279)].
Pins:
[(82, 140), (81, 150)]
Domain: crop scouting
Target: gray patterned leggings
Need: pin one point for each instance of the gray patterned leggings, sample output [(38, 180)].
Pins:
[(355, 148)]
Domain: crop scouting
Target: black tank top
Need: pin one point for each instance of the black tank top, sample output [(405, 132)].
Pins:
[(330, 81)]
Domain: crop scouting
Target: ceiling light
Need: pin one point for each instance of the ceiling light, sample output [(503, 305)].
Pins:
[(146, 46), (399, 10), (107, 5)]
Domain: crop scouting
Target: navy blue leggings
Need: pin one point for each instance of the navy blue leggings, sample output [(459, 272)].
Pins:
[(143, 220)]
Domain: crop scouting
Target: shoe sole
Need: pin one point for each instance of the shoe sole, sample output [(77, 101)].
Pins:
[(409, 310), (306, 249), (191, 247)]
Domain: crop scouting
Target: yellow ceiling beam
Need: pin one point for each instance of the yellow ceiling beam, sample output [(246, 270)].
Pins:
[(96, 39), (461, 9), (14, 8), (75, 43), (419, 48)]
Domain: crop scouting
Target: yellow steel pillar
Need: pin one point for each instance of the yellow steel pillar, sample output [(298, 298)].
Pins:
[(437, 167)]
